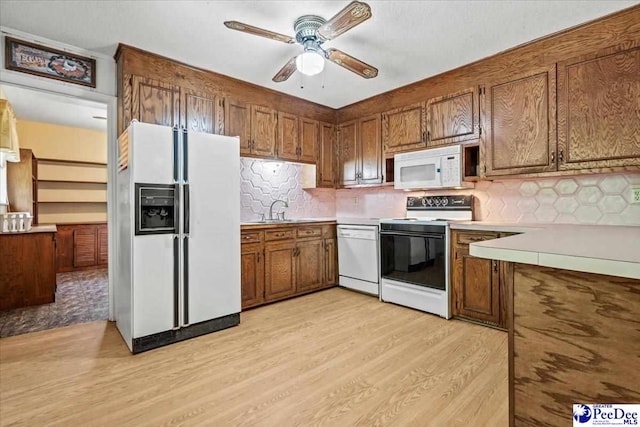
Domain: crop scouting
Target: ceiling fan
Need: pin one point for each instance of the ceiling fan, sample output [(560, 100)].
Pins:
[(311, 32)]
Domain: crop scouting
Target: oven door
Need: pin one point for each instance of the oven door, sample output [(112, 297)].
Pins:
[(416, 258)]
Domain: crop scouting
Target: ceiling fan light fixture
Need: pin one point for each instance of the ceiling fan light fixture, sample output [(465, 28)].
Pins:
[(310, 63)]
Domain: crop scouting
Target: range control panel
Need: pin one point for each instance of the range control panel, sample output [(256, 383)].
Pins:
[(440, 203)]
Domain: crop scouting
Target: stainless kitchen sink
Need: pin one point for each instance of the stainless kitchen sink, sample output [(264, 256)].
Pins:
[(281, 221)]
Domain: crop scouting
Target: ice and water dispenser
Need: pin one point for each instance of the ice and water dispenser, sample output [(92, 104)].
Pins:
[(156, 209)]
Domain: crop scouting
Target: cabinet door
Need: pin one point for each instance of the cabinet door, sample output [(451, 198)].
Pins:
[(453, 118), (403, 129), (64, 248), (238, 123), (263, 131), (203, 112), (288, 137), (155, 102), (309, 264), (326, 158), (85, 247), (599, 111), (370, 150), (521, 131), (252, 275), (280, 270), (477, 287), (103, 245), (308, 140), (349, 166), (330, 262)]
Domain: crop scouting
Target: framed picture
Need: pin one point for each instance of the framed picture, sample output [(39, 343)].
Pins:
[(46, 62)]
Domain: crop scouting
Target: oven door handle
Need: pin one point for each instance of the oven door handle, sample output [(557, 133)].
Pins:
[(399, 233)]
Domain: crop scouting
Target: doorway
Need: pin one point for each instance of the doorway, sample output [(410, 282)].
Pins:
[(65, 141)]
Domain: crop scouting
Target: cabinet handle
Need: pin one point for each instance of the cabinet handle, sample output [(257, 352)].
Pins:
[(495, 266), (428, 136), (476, 239), (561, 156), (424, 137), (258, 257), (553, 157)]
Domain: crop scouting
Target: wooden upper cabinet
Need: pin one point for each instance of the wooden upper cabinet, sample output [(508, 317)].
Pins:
[(287, 136), (521, 124), (403, 129), (263, 131), (453, 118), (238, 123), (348, 155), (155, 102), (203, 112), (599, 110), (326, 157), (370, 150), (308, 141)]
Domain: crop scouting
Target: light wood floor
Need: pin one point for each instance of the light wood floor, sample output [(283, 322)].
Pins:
[(334, 358)]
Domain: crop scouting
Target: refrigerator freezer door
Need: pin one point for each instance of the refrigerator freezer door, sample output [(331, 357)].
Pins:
[(213, 288), (155, 284), (155, 153)]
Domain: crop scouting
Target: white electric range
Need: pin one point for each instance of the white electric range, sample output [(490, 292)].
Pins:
[(415, 250)]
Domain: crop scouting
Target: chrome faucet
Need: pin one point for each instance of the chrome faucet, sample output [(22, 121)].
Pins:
[(286, 205)]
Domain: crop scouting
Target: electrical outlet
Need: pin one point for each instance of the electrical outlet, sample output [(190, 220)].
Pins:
[(635, 194)]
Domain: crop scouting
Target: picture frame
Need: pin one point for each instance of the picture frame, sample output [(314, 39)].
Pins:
[(38, 60)]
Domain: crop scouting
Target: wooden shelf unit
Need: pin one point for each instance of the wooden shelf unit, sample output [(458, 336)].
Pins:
[(62, 190)]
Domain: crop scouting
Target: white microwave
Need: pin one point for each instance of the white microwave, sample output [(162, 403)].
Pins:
[(430, 168)]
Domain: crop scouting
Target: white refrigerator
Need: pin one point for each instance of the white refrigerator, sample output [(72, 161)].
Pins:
[(178, 266)]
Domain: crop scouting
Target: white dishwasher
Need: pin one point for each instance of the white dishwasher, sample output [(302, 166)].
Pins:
[(358, 263)]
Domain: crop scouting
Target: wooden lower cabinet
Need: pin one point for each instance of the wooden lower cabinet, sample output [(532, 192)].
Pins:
[(309, 259), (27, 269), (81, 247), (285, 261), (478, 284), (280, 270), (331, 261), (252, 265)]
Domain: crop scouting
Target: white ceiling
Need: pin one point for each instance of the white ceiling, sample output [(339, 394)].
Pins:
[(45, 107), (406, 40)]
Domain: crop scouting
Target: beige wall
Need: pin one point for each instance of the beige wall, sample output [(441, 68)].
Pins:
[(63, 142), (83, 201)]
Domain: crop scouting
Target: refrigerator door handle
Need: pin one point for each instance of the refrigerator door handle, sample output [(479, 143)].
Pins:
[(175, 154), (176, 282), (176, 208), (185, 156), (185, 281), (187, 215)]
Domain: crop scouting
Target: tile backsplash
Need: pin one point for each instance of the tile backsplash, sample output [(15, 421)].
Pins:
[(262, 182), (583, 199)]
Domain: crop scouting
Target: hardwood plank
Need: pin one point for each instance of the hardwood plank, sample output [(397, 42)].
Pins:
[(334, 357)]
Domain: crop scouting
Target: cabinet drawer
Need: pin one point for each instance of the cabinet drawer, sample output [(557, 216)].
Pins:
[(466, 238), (251, 237), (309, 232), (271, 235)]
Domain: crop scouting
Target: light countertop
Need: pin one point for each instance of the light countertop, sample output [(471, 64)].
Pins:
[(601, 249), (36, 229), (358, 221)]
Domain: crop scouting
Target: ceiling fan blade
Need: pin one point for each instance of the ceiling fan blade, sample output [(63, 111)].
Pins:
[(355, 13), (286, 71), (352, 64), (246, 28)]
